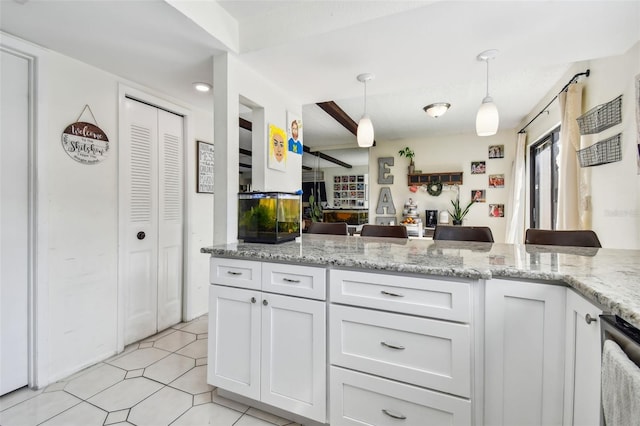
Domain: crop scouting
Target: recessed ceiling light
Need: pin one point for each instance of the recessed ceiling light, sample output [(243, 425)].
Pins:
[(201, 86)]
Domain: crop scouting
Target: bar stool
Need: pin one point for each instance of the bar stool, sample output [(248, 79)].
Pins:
[(333, 228), (396, 231), (572, 238), (463, 233)]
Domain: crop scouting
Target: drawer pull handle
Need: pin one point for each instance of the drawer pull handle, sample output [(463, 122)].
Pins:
[(289, 280), (386, 293), (389, 345), (589, 319), (394, 415), (234, 273)]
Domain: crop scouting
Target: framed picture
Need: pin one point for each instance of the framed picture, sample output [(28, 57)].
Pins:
[(294, 133), (496, 210), (496, 151), (478, 167), (496, 181), (205, 167), (479, 195), (277, 148)]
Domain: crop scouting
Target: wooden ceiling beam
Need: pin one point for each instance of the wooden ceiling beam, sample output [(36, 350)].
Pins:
[(340, 116), (327, 157)]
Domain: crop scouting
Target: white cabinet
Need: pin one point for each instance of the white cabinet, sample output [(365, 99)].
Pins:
[(524, 353), (582, 362), (400, 349), (264, 346)]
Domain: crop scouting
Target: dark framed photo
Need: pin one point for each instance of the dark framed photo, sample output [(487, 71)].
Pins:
[(478, 167), (496, 181), (205, 167), (496, 151), (496, 210), (479, 195)]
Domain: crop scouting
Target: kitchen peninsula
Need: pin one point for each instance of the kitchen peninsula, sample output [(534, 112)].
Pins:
[(416, 328)]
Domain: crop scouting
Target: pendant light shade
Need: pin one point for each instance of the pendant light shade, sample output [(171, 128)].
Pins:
[(487, 118), (365, 126), (365, 132)]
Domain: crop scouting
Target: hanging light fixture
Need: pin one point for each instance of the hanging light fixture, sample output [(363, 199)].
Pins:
[(437, 109), (365, 126), (487, 119)]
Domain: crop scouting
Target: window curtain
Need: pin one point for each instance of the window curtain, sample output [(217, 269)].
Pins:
[(515, 226), (568, 214)]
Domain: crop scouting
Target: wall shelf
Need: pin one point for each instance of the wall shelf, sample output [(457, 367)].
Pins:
[(446, 178)]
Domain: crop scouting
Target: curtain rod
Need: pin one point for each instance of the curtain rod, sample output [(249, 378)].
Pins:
[(573, 80)]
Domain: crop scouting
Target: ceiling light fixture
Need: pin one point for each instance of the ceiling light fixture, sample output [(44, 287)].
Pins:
[(487, 119), (437, 109), (201, 86), (365, 126)]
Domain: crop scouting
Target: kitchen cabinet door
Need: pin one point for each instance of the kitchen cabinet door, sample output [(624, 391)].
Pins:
[(234, 340), (524, 353), (582, 362), (293, 374)]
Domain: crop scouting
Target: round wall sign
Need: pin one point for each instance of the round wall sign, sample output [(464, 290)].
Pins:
[(85, 142)]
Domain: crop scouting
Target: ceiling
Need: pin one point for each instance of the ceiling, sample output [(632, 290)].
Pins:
[(420, 52)]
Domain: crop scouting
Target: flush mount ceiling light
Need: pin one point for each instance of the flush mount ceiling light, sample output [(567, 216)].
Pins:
[(201, 86), (365, 126), (487, 119), (437, 109)]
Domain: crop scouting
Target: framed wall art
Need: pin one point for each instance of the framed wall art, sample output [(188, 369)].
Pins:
[(205, 167)]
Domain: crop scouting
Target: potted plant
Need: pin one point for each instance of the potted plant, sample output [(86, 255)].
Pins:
[(459, 212), (408, 152), (315, 206)]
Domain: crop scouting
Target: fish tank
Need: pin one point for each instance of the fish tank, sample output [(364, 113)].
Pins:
[(268, 217)]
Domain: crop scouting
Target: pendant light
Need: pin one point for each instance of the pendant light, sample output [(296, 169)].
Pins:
[(365, 126), (487, 119)]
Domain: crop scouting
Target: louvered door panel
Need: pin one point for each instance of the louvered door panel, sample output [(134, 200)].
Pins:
[(139, 159), (170, 219)]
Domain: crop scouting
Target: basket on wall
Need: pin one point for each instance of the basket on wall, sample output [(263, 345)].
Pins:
[(601, 117), (603, 152)]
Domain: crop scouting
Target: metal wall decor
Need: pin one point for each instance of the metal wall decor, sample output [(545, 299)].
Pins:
[(85, 142), (205, 167)]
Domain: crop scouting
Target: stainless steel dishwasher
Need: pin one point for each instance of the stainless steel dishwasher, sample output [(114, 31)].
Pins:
[(627, 337)]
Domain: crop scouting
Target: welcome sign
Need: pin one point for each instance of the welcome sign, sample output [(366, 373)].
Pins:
[(85, 142)]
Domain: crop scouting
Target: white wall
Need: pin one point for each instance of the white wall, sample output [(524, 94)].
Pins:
[(83, 220), (452, 153), (615, 187)]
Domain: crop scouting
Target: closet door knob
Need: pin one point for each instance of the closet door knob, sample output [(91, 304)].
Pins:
[(589, 319), (141, 235)]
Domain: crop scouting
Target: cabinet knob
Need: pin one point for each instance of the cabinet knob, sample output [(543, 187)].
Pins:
[(264, 302), (253, 300), (140, 235), (589, 319)]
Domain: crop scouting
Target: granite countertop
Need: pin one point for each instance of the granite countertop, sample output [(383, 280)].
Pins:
[(609, 278)]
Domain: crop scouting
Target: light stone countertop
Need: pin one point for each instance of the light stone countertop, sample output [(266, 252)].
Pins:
[(609, 278)]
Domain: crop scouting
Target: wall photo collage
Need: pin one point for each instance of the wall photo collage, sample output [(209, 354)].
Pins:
[(494, 180), (349, 191)]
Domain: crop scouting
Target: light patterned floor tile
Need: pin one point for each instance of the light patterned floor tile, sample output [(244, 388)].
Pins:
[(125, 394), (17, 396), (159, 335), (208, 414), (170, 368), (38, 409), (139, 359), (248, 420), (196, 327), (135, 373), (268, 417), (161, 408), (146, 345), (197, 349), (194, 381), (116, 417), (201, 361), (95, 381), (174, 341), (82, 414), (202, 398), (55, 386)]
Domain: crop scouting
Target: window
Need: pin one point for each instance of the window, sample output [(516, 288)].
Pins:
[(544, 181)]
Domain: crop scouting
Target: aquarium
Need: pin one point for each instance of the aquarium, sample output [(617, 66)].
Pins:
[(268, 217)]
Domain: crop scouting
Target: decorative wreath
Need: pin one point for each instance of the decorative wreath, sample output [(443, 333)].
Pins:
[(434, 188)]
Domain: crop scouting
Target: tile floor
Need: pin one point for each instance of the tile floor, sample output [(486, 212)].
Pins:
[(158, 381)]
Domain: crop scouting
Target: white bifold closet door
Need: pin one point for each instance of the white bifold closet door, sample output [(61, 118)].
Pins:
[(14, 221), (151, 172)]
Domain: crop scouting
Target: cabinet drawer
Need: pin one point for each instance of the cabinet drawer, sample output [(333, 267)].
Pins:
[(294, 280), (450, 300), (360, 399), (420, 351), (235, 273)]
